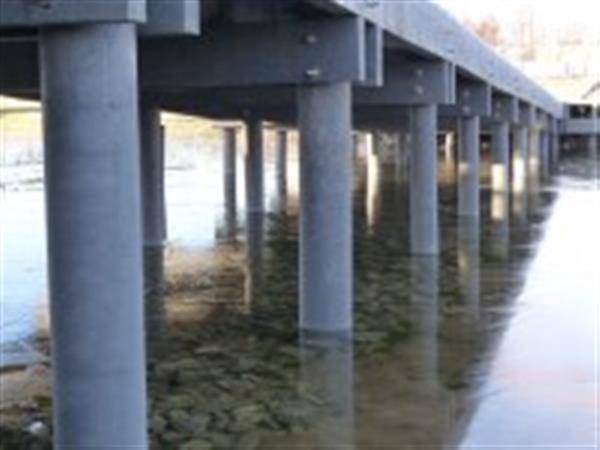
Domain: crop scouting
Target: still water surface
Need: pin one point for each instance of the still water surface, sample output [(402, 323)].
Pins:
[(492, 345)]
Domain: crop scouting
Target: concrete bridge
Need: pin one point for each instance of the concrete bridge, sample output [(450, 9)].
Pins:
[(104, 70)]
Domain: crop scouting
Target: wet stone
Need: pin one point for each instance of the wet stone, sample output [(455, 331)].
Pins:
[(197, 444)]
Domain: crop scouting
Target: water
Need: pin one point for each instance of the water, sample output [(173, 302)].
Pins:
[(493, 344)]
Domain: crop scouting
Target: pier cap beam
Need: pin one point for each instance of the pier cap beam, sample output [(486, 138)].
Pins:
[(411, 82), (295, 52), (155, 17), (505, 108)]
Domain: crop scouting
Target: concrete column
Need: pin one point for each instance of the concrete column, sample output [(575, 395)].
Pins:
[(324, 114), (230, 179), (534, 153), (519, 159), (154, 224), (544, 153), (424, 181), (468, 167), (254, 166), (281, 168), (152, 173), (555, 148), (355, 144), (592, 144), (500, 157), (449, 141), (93, 201), (373, 176)]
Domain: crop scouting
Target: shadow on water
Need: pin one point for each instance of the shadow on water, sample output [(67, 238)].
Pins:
[(229, 369)]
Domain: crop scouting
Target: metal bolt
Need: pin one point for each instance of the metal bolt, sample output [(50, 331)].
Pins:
[(45, 4), (310, 39), (419, 73), (419, 90), (466, 93), (312, 73)]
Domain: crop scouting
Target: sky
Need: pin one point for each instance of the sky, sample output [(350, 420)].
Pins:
[(551, 14)]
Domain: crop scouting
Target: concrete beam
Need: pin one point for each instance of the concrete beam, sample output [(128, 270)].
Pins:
[(431, 31), (412, 82), (526, 114), (156, 17), (172, 18), (474, 98), (27, 13), (505, 108), (295, 52)]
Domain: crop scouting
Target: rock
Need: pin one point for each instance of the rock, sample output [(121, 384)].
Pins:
[(37, 429), (158, 424), (292, 413), (250, 414), (189, 424), (197, 444), (219, 441), (179, 419), (209, 350), (248, 441)]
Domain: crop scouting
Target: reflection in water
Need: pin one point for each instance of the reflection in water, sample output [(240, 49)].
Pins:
[(255, 243), (327, 364), (463, 350), (468, 266), (520, 207), (424, 278), (500, 226)]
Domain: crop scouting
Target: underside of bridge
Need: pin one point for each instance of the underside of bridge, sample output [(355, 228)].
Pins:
[(105, 70)]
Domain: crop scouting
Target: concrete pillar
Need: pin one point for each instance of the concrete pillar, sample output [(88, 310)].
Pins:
[(555, 148), (254, 166), (534, 153), (519, 159), (500, 157), (281, 168), (324, 114), (449, 143), (468, 166), (230, 180), (373, 177), (93, 201), (592, 144), (356, 139), (153, 175), (154, 223), (424, 181), (544, 153)]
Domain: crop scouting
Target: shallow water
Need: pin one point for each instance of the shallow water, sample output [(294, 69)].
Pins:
[(493, 344)]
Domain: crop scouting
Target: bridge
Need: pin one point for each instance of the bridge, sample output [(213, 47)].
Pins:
[(105, 69)]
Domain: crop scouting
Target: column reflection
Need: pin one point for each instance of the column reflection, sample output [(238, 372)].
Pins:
[(468, 266), (327, 365), (424, 283), (255, 241)]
